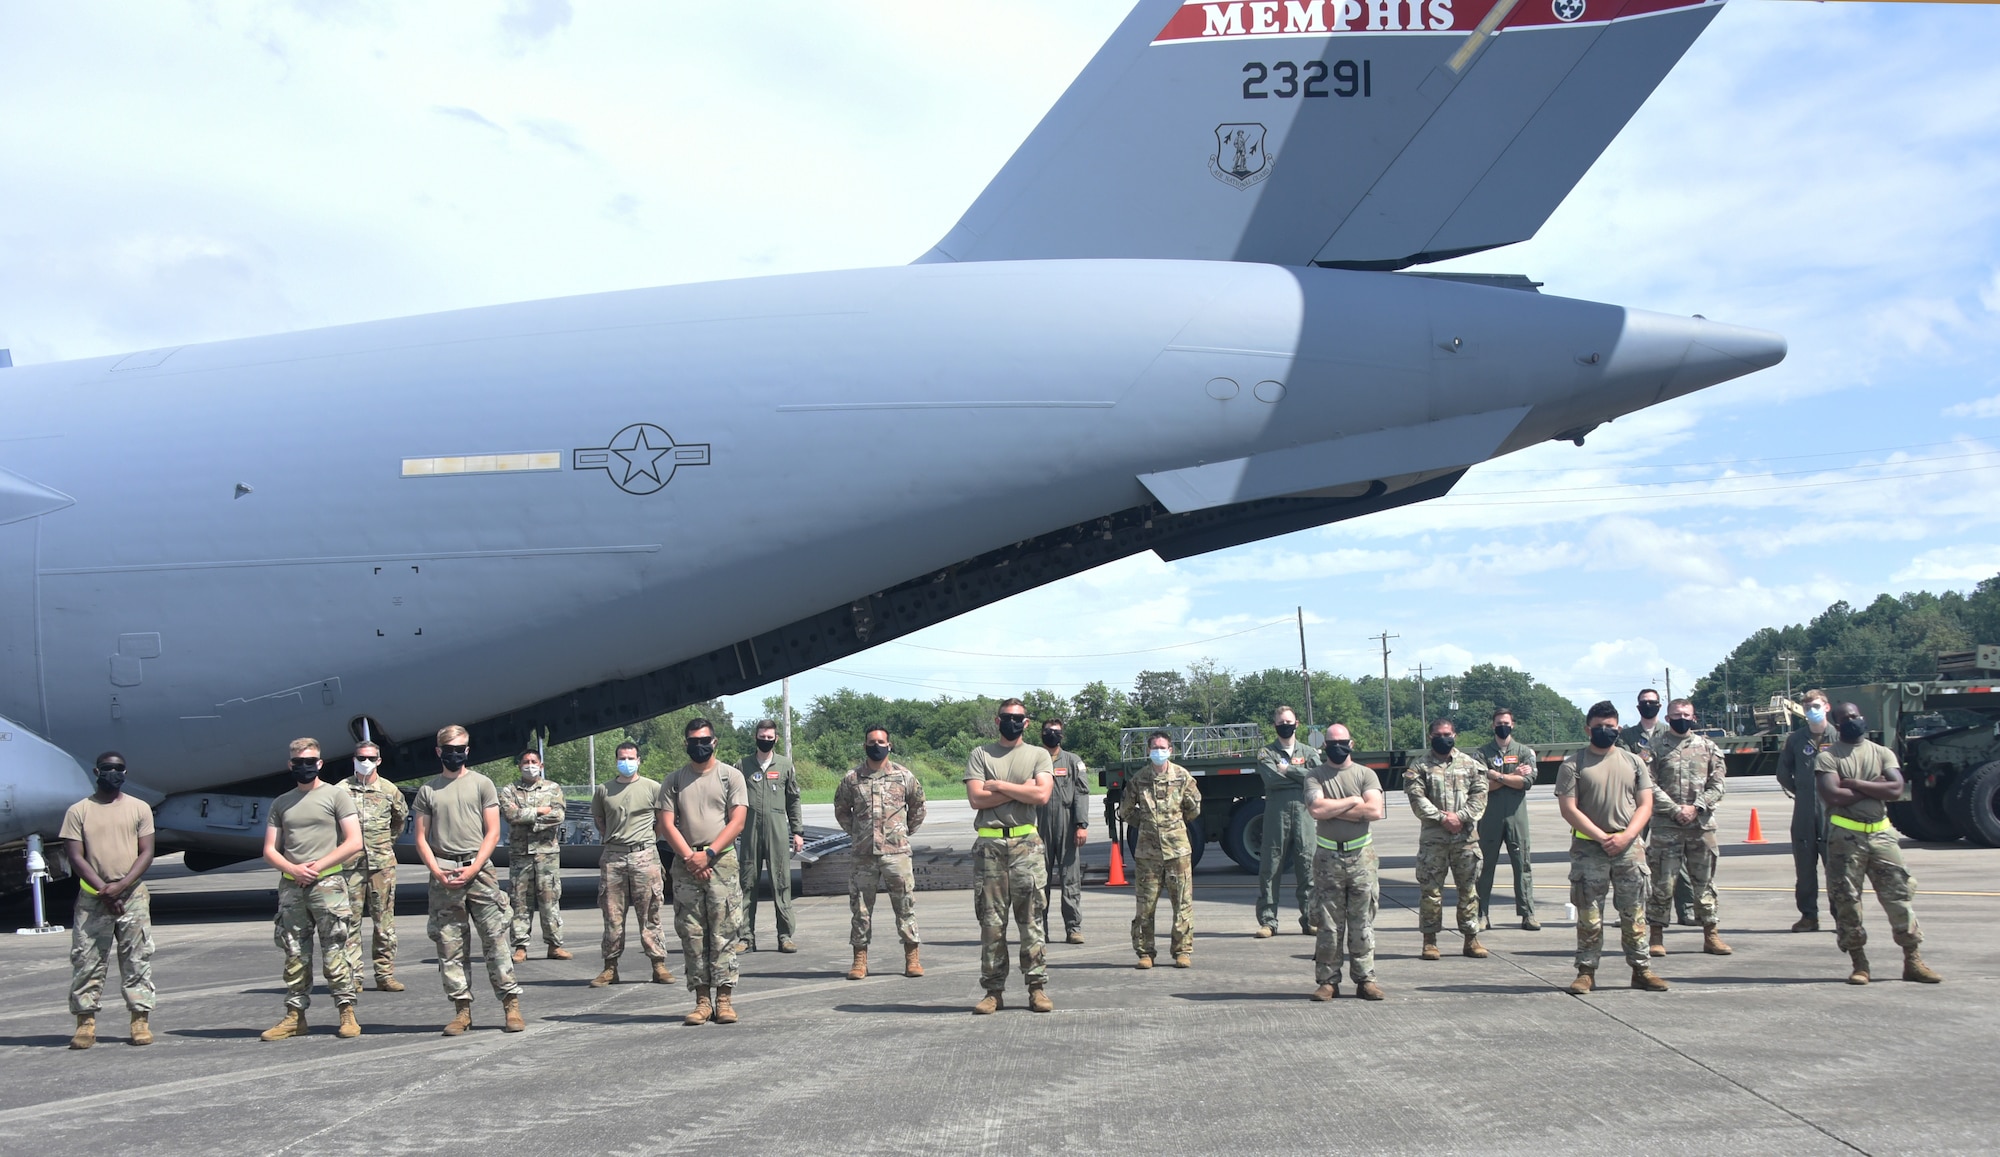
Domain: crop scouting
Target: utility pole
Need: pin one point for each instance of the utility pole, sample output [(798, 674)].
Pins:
[(1670, 684), (785, 690), (1791, 664), (1423, 710), (1388, 716), (1305, 672), (593, 768)]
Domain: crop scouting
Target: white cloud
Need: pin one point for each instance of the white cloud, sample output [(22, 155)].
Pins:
[(1951, 565), (1979, 408)]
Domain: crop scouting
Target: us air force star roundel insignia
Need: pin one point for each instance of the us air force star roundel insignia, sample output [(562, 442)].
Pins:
[(642, 458), (1567, 10)]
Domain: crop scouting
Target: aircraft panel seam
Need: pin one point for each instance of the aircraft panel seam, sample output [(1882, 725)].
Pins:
[(335, 560)]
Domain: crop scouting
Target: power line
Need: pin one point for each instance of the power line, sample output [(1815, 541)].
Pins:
[(1764, 474), (1734, 461), (1099, 654), (1447, 503)]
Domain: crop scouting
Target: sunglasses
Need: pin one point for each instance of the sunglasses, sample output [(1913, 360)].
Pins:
[(1016, 718), (111, 767), (303, 764), (458, 748)]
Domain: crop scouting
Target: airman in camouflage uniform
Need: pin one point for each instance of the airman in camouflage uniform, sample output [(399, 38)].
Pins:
[(1447, 790), (458, 826), (1605, 794), (879, 804), (371, 878), (1857, 778), (1688, 772), (534, 810), (703, 808), (1642, 739), (1162, 798), (109, 838), (1344, 797), (312, 831), (1005, 782)]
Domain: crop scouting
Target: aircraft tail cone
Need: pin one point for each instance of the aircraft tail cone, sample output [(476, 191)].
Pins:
[(1756, 829)]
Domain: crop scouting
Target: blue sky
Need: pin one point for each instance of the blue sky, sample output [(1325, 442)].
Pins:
[(174, 172)]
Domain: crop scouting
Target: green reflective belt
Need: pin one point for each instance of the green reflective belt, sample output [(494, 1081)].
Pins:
[(323, 872), (86, 887), (1579, 835), (1353, 845), (1857, 825), (1007, 833)]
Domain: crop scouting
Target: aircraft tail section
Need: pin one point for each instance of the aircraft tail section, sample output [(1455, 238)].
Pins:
[(1371, 134)]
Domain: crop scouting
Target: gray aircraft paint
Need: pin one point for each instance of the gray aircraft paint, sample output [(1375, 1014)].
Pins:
[(583, 511)]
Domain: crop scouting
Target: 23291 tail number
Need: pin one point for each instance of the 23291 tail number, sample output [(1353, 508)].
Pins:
[(1286, 80)]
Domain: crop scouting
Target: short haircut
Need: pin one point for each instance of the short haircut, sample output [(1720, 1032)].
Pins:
[(628, 745), (1441, 722), (764, 725), (1054, 721), (1688, 703), (367, 745), (1602, 709), (873, 729), (1813, 694), (299, 745), (534, 751), (1281, 709), (694, 725), (1159, 735), (1499, 711), (1653, 691), (1006, 703), (117, 755), (452, 735)]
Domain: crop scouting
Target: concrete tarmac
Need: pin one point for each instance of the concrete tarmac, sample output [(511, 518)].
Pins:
[(1766, 1051)]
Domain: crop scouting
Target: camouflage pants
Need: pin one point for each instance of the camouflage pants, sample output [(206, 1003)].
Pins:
[(1289, 840), (629, 879), (1149, 874), (535, 881), (1439, 852), (373, 894), (97, 929), (1854, 857), (1010, 875), (1592, 873), (888, 873), (318, 909), (1512, 831), (708, 914), (1346, 894), (455, 912), (1671, 851)]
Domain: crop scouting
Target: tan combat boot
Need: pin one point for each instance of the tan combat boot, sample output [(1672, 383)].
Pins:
[(387, 982), (349, 1027), (1074, 937), (1656, 941), (608, 976), (1646, 980), (994, 1002), (1265, 932), (1581, 986), (860, 969), (1038, 1000), (462, 1021), (511, 1005), (558, 952), (1711, 942), (293, 1025), (725, 1012), (1474, 948), (1860, 973), (1915, 969), (1183, 960), (1326, 992), (661, 973), (142, 1032), (1368, 990), (86, 1031), (1430, 946), (1144, 962), (911, 965), (520, 955), (702, 1008)]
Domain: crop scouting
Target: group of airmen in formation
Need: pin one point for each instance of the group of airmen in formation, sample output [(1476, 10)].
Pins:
[(1640, 803)]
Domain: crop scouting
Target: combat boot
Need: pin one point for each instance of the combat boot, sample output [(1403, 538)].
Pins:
[(911, 965), (1183, 960), (293, 1025), (1265, 931), (142, 1032), (349, 1027), (1474, 948), (1860, 973), (86, 1031), (725, 1013), (702, 1008), (558, 952), (1646, 980), (860, 969), (1038, 1000), (1581, 986), (386, 982), (462, 1021), (1368, 990), (1711, 942), (994, 1002), (1144, 962), (1915, 969), (511, 1005), (608, 976), (1656, 941), (786, 944), (1530, 924), (1430, 946), (1075, 936), (1326, 992), (661, 973), (1806, 924), (520, 954)]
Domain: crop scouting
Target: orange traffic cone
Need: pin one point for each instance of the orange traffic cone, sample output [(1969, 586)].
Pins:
[(1756, 829), (1117, 879)]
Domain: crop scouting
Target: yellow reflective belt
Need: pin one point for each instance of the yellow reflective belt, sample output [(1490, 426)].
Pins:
[(1857, 825), (323, 872), (1007, 833), (86, 887), (1579, 835), (1353, 845)]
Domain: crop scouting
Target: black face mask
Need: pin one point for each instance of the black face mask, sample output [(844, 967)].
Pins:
[(1051, 737), (110, 779), (1649, 708), (1442, 744), (877, 751), (1503, 731), (1603, 736), (1851, 730), (305, 772), (1012, 726), (1681, 726), (1287, 730), (456, 756), (764, 744), (701, 750), (1337, 750)]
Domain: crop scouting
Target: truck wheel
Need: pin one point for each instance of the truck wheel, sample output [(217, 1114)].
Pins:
[(1958, 808), (1911, 820), (1197, 836), (1980, 805), (1243, 839), (1929, 805)]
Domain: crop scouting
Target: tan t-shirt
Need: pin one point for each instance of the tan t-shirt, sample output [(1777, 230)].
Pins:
[(1605, 787), (457, 810), (110, 832), (1330, 782), (1864, 760), (1020, 764), (699, 804), (623, 812), (308, 822)]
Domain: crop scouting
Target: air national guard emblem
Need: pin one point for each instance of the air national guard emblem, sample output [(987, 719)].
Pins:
[(1240, 158), (1567, 10), (641, 458)]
